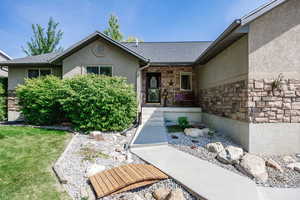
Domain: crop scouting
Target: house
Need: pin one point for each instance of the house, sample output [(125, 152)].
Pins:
[(247, 81), (3, 57)]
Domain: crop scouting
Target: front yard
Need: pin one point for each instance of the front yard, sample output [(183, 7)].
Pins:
[(26, 157)]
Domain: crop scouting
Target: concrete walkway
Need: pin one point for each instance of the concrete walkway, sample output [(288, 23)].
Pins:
[(201, 177), (208, 181)]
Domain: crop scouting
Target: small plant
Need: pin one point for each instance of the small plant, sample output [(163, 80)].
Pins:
[(90, 154), (183, 122), (276, 83), (211, 134)]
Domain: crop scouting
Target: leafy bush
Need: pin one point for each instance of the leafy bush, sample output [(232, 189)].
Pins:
[(39, 100), (3, 96), (94, 102), (183, 122)]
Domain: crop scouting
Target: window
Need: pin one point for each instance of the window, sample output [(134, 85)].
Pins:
[(104, 70), (34, 73), (186, 81)]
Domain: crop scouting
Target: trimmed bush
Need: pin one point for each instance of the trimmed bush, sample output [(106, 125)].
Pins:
[(39, 100), (97, 102), (3, 96)]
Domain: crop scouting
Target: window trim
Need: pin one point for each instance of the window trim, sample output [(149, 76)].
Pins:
[(51, 71), (191, 80), (99, 66)]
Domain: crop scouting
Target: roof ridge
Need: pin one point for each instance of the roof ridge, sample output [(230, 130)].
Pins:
[(171, 42)]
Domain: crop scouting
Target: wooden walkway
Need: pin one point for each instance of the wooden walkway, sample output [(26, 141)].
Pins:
[(124, 178)]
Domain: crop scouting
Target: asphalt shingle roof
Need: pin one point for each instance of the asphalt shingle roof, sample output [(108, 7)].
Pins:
[(169, 52), (157, 52), (39, 59)]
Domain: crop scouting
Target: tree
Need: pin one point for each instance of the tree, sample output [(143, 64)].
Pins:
[(44, 41), (133, 39), (113, 31)]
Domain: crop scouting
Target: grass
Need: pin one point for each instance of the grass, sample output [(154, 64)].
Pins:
[(26, 157), (174, 129)]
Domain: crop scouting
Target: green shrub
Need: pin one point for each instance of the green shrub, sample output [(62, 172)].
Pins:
[(39, 100), (183, 122), (3, 96), (97, 102)]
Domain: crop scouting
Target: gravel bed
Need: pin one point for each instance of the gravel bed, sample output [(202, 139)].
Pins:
[(196, 147), (76, 161)]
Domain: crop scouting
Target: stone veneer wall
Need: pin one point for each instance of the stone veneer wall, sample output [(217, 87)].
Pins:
[(169, 73), (12, 101), (254, 101)]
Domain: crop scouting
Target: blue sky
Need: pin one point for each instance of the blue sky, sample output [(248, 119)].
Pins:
[(150, 20)]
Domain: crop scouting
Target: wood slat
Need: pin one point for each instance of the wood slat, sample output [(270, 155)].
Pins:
[(124, 178)]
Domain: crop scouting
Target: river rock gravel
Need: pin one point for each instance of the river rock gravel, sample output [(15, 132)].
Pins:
[(83, 152), (196, 147)]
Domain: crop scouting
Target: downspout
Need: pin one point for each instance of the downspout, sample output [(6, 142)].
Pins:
[(140, 83)]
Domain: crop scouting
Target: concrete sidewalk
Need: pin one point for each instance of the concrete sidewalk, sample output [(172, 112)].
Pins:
[(201, 177)]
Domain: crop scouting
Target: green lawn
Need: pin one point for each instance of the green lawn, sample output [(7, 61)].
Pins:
[(26, 157)]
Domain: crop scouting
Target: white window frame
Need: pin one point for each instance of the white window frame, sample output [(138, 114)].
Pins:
[(191, 80), (51, 71), (99, 66)]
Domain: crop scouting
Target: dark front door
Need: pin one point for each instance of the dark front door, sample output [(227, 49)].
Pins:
[(153, 87)]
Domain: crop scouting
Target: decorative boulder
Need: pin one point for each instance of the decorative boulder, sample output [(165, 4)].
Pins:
[(176, 194), (161, 193), (193, 132), (274, 165), (94, 169), (215, 147), (205, 131), (97, 135), (295, 166), (230, 155), (255, 167)]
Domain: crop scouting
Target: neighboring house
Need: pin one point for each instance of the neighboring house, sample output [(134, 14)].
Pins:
[(3, 70), (231, 79)]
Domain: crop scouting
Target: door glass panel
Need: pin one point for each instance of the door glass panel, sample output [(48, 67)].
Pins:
[(153, 89)]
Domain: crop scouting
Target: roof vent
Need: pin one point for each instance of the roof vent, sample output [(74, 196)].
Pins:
[(136, 42)]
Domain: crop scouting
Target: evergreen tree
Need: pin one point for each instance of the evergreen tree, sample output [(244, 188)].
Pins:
[(113, 31), (44, 41)]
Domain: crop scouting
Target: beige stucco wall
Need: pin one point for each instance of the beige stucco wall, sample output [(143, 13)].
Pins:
[(123, 63), (229, 66), (274, 40), (16, 74)]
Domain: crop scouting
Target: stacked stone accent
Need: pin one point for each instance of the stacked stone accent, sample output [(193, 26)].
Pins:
[(228, 100), (270, 104), (254, 101), (170, 80), (12, 101)]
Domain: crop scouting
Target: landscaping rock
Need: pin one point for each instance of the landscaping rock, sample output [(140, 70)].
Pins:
[(161, 193), (176, 194), (215, 147), (295, 166), (274, 164), (230, 155), (288, 159), (97, 135), (94, 169), (205, 131), (148, 196), (193, 132), (255, 167), (130, 196)]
